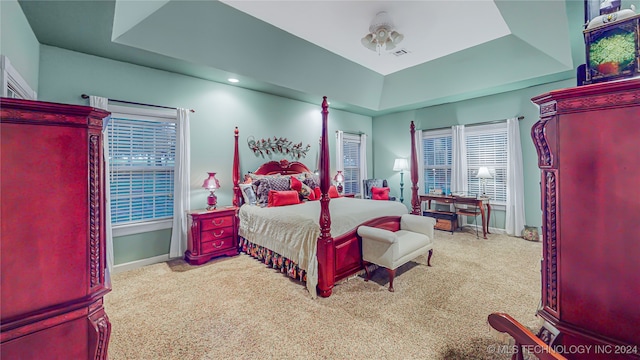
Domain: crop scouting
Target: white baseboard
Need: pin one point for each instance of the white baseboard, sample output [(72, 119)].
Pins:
[(492, 230), (139, 263)]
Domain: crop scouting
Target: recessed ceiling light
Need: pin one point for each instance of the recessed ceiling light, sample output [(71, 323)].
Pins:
[(232, 80)]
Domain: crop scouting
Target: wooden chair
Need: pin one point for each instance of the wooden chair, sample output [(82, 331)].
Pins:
[(468, 210)]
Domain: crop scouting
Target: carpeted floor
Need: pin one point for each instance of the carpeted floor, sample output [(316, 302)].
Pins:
[(236, 308)]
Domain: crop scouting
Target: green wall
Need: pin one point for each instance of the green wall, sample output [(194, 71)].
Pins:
[(391, 138), (65, 75), (18, 43)]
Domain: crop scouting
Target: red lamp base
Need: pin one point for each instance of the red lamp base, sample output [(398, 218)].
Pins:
[(212, 201)]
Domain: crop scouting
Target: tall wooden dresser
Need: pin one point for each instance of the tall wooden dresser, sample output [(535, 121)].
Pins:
[(588, 143), (52, 261)]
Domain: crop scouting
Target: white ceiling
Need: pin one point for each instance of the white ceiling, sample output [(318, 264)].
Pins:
[(431, 29)]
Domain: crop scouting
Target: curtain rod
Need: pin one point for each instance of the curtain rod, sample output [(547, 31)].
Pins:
[(475, 124), (352, 132), (85, 96)]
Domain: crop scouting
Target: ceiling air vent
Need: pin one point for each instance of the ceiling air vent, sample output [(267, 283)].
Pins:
[(400, 52)]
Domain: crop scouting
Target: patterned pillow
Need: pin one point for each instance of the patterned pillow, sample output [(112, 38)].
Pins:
[(311, 180), (248, 193), (263, 185)]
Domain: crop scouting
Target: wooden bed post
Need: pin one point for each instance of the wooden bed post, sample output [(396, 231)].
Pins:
[(325, 249), (415, 202), (237, 196)]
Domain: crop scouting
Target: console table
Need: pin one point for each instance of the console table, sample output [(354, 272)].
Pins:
[(479, 202)]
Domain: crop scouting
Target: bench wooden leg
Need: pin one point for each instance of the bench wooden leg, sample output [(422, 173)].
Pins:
[(392, 274), (429, 257)]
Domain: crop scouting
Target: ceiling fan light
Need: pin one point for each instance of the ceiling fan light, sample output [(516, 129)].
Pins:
[(373, 46), (367, 40), (396, 37), (382, 35), (389, 44)]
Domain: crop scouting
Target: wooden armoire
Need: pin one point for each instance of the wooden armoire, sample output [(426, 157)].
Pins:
[(52, 260), (588, 144)]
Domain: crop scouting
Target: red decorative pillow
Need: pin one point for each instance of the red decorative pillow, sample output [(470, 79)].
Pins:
[(282, 198), (380, 193), (318, 193), (295, 184), (312, 195), (333, 192), (303, 190)]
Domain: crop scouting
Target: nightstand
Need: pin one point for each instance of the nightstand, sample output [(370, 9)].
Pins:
[(211, 234)]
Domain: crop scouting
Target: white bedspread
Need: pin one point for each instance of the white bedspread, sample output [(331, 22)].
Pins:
[(292, 231)]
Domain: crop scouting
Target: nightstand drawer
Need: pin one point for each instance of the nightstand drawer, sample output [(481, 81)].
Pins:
[(217, 245), (216, 222), (216, 234)]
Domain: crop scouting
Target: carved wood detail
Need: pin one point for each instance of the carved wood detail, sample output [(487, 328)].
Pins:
[(551, 249), (548, 109), (545, 158), (415, 202), (325, 246), (599, 101), (94, 210), (102, 327), (235, 174), (283, 167), (195, 233)]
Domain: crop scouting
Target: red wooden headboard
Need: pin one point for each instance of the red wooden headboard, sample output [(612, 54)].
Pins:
[(283, 167)]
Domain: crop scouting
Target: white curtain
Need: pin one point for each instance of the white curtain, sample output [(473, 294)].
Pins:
[(339, 147), (363, 159), (181, 199), (103, 103), (514, 221), (458, 160)]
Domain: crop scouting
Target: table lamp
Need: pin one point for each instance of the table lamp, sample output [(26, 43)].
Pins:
[(483, 175), (339, 179), (401, 165), (211, 184)]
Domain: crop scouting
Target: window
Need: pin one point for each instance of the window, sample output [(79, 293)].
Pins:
[(13, 85), (351, 156), (436, 150), (487, 146), (142, 149)]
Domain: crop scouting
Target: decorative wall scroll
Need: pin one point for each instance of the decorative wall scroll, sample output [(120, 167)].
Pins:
[(277, 146)]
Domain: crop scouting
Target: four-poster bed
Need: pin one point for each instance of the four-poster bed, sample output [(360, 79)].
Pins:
[(324, 258)]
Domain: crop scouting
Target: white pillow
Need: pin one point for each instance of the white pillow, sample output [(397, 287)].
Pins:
[(248, 194)]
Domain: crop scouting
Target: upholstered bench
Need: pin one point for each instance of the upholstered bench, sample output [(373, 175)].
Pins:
[(391, 250)]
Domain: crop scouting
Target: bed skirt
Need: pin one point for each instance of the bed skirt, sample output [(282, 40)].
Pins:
[(272, 259)]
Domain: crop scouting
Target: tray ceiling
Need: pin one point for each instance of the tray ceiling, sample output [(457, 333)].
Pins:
[(305, 49)]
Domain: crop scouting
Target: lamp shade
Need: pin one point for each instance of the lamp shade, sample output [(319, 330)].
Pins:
[(400, 165), (483, 173), (211, 183), (339, 178)]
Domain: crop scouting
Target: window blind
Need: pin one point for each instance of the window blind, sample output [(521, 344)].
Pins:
[(487, 146), (351, 156), (142, 160), (436, 150)]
